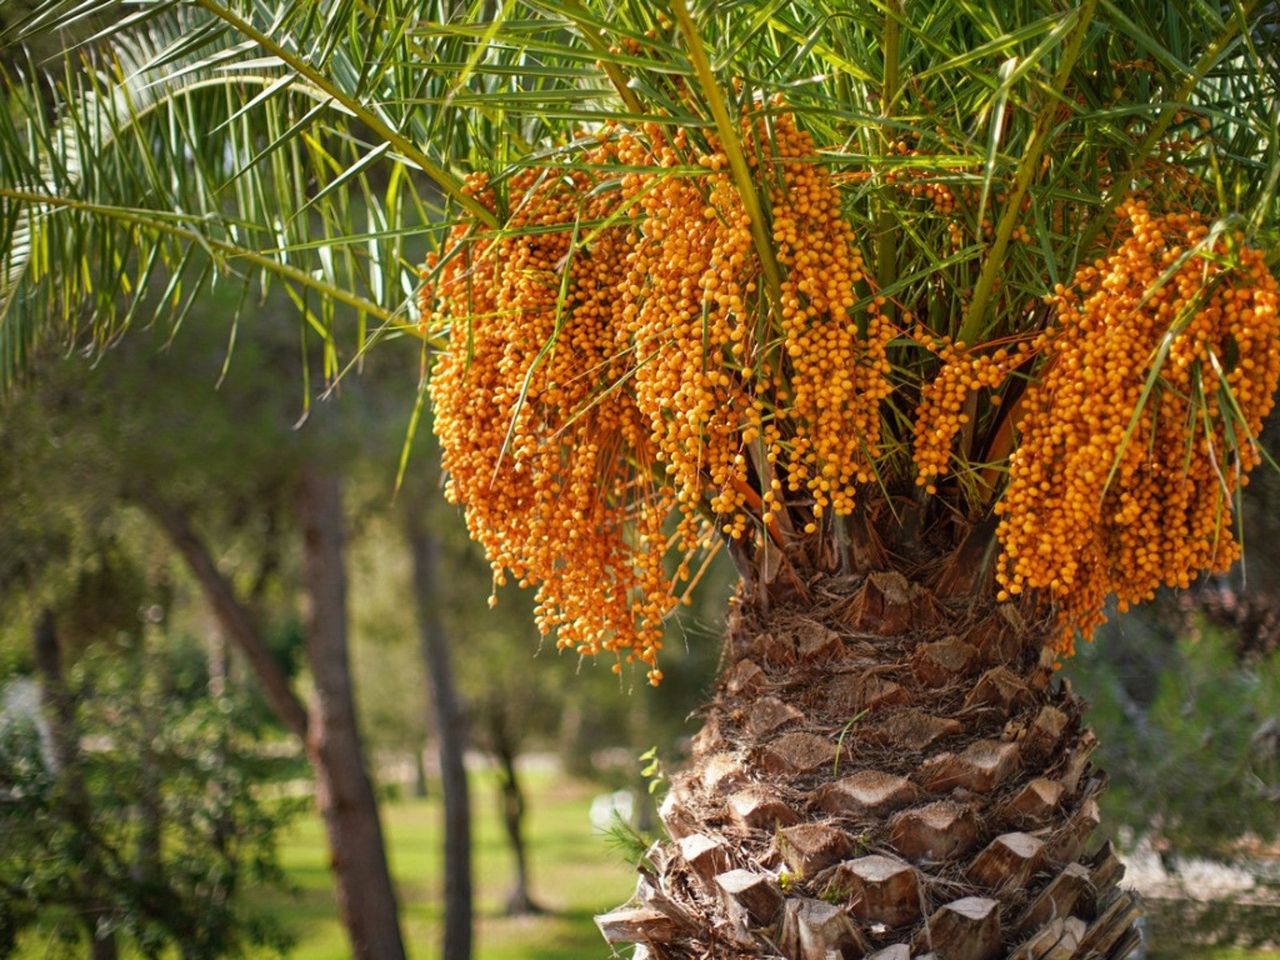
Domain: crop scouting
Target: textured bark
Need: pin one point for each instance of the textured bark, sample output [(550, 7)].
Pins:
[(883, 773), (451, 735), (344, 792), (60, 713)]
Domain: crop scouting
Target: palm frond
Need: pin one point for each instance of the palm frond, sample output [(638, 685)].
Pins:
[(169, 153)]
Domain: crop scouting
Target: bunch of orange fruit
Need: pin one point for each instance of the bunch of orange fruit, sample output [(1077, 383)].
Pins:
[(614, 358), (618, 358), (1142, 424)]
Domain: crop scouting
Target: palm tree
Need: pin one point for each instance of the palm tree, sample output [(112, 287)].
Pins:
[(946, 322)]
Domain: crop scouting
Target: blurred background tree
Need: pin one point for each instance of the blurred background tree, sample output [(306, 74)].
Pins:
[(127, 816), (235, 491)]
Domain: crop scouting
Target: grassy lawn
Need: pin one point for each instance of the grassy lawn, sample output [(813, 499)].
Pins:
[(575, 874)]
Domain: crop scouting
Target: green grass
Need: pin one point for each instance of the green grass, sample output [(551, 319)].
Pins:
[(575, 874)]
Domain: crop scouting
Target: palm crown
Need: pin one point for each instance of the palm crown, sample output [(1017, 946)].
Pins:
[(985, 287)]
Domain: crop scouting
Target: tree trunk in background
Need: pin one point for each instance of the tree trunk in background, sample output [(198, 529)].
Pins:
[(233, 616), (366, 898), (511, 797), (343, 790), (450, 734), (420, 788), (60, 712), (883, 772), (572, 744)]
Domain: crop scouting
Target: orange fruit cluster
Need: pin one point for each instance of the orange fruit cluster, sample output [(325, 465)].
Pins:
[(921, 182), (614, 358), (1140, 428), (836, 366), (533, 441), (737, 387), (687, 304), (941, 413)]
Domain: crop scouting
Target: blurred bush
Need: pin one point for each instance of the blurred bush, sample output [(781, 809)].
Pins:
[(1188, 715), (163, 820)]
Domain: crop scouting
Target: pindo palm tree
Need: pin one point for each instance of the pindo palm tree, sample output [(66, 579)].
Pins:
[(946, 321)]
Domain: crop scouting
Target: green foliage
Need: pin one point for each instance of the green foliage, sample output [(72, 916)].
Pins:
[(237, 142), (835, 894), (148, 751), (835, 761), (630, 844), (271, 172), (652, 770), (1189, 735)]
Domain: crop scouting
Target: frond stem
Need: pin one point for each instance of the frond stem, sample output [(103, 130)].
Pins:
[(229, 250), (972, 327), (733, 150), (595, 39), (402, 144)]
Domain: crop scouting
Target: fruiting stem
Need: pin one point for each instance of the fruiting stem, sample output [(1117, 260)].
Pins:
[(733, 150), (166, 224), (1001, 446), (971, 329), (595, 39), (753, 500)]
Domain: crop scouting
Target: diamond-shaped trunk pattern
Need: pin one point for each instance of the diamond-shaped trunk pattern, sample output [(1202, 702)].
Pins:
[(883, 773)]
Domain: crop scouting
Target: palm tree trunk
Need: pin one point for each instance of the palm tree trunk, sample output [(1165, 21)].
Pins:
[(883, 773), (451, 735), (348, 806)]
